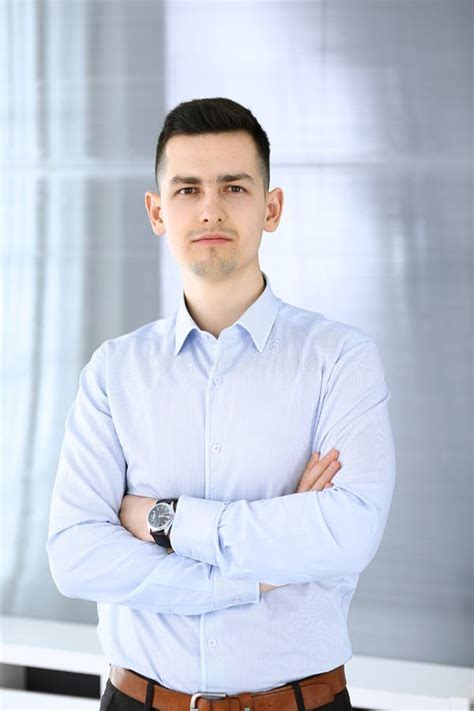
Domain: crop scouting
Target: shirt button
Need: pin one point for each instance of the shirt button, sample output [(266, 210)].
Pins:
[(217, 380), (211, 642), (216, 447)]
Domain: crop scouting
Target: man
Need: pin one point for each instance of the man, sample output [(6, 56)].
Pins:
[(191, 500)]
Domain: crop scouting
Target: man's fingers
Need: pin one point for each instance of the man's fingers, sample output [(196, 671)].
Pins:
[(319, 470), (326, 477), (305, 477)]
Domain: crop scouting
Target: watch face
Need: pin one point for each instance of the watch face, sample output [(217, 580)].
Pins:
[(160, 516)]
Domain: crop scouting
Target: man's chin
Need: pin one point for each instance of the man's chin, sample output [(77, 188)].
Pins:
[(213, 271)]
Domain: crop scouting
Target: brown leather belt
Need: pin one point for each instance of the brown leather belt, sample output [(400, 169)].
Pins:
[(316, 691)]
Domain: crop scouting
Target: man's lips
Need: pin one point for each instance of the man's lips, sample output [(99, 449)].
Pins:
[(212, 239), (216, 237)]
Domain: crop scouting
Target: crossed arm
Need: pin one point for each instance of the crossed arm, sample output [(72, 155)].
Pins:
[(96, 555), (317, 476)]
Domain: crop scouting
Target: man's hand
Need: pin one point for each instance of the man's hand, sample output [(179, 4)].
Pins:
[(133, 515), (319, 472), (316, 477)]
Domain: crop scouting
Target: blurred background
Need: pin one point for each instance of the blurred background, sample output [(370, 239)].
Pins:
[(368, 105)]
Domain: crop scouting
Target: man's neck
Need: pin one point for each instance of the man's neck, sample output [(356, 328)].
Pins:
[(215, 306)]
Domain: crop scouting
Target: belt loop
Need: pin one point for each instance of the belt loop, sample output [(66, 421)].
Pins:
[(298, 695), (149, 696)]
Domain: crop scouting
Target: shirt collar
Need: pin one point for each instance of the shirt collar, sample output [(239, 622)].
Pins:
[(258, 319)]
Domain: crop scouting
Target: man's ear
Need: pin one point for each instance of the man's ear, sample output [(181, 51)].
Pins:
[(153, 208), (274, 209)]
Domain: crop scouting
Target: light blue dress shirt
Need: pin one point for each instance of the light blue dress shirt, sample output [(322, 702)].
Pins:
[(226, 425)]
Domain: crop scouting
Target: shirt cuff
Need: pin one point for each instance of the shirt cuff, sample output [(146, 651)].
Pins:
[(236, 591), (194, 531)]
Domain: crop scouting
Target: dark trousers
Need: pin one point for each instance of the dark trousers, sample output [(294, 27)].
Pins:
[(115, 700)]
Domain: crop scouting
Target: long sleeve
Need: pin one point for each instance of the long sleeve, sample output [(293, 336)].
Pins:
[(313, 535), (91, 555)]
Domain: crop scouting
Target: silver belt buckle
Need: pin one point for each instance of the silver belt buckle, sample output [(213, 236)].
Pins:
[(211, 694)]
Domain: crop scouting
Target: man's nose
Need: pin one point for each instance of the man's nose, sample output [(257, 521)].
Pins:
[(212, 209)]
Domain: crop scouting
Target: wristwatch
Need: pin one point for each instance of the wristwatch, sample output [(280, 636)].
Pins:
[(160, 520)]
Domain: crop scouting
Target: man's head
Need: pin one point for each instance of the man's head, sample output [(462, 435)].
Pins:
[(212, 173)]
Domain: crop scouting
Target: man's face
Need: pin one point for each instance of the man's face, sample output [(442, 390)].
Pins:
[(211, 183)]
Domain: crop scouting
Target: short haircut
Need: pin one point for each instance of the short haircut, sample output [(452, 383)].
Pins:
[(215, 115)]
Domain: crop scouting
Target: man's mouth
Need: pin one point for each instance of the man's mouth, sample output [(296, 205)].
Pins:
[(212, 239)]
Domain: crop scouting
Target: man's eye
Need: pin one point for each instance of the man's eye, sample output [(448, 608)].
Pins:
[(237, 189)]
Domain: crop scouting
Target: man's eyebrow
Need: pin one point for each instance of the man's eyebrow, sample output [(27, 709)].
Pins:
[(223, 178)]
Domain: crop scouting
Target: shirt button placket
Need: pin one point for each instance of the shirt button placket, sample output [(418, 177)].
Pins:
[(215, 449)]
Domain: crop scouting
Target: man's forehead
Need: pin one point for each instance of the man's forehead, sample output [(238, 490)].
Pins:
[(211, 155), (225, 139)]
